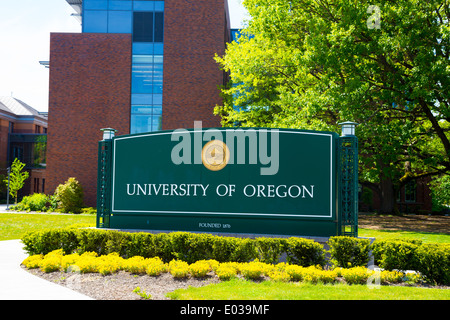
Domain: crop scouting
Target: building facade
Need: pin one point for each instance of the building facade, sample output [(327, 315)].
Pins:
[(137, 66), (23, 135)]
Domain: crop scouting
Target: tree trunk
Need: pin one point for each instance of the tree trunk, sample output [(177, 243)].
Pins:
[(388, 203)]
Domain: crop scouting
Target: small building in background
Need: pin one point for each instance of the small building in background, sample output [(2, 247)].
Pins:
[(23, 135)]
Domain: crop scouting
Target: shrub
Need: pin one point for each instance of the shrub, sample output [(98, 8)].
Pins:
[(253, 270), (52, 261), (225, 271), (356, 275), (199, 269), (35, 202), (269, 250), (349, 252), (136, 265), (156, 266), (305, 252), (178, 268), (32, 262), (69, 196), (433, 261), (396, 254)]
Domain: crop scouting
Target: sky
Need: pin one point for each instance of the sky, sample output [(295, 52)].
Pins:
[(25, 27)]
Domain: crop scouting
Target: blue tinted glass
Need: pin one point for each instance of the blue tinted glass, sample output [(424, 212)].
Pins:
[(141, 110), (157, 78), (144, 5), (159, 5), (141, 123), (157, 110), (142, 78), (159, 27), (120, 22), (157, 98), (158, 58), (95, 21), (159, 48), (95, 4), (121, 5), (156, 123), (142, 48), (141, 99), (141, 58)]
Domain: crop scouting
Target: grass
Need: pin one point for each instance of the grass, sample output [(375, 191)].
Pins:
[(426, 237), (238, 289), (14, 225)]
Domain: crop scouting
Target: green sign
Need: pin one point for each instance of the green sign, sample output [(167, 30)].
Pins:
[(253, 181)]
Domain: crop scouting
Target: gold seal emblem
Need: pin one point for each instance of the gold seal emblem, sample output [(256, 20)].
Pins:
[(215, 155)]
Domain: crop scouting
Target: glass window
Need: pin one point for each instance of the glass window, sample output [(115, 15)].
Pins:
[(143, 27), (156, 123), (141, 99), (144, 5), (159, 5), (141, 109), (142, 48), (141, 58), (159, 26), (121, 5), (157, 110), (158, 58), (157, 78), (141, 123), (95, 21), (95, 4), (158, 48), (157, 99), (120, 22), (142, 78)]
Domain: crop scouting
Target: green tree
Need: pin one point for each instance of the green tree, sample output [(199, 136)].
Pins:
[(17, 178), (311, 64)]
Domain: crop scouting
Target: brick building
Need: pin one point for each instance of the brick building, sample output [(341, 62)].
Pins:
[(23, 135), (137, 66)]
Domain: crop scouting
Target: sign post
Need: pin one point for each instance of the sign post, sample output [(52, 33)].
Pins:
[(229, 181)]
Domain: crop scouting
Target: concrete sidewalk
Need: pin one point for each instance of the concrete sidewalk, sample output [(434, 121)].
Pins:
[(18, 284)]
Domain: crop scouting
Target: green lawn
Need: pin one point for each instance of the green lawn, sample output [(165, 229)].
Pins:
[(269, 290), (14, 225), (426, 237)]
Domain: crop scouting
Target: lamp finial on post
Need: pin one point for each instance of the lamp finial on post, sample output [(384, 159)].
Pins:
[(108, 133), (348, 128)]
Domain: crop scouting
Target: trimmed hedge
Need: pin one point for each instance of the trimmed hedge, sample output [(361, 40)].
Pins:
[(348, 252), (188, 247), (431, 260)]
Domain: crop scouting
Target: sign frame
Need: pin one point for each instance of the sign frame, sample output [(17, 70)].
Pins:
[(335, 222)]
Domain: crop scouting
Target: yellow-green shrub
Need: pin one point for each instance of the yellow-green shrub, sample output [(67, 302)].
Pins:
[(225, 271), (356, 275), (295, 272), (110, 263), (279, 275), (136, 264), (33, 262), (178, 268), (253, 270), (391, 276), (199, 269), (69, 260), (156, 266)]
